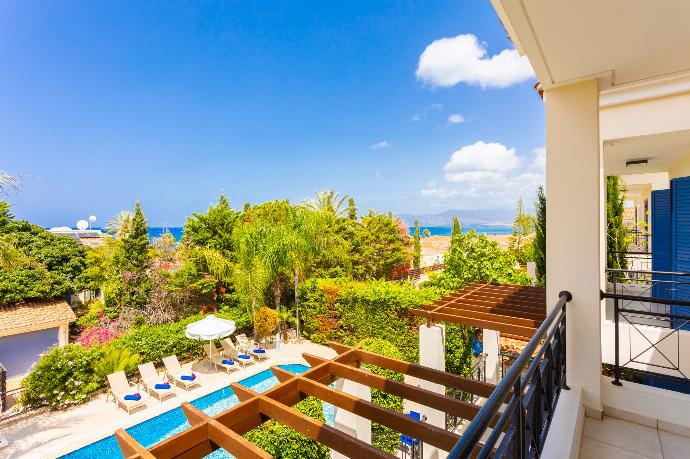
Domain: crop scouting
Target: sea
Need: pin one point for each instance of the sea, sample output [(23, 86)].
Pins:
[(497, 230)]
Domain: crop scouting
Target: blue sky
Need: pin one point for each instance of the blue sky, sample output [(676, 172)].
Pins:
[(103, 103)]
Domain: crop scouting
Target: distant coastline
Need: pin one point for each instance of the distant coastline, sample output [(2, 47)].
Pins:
[(489, 230)]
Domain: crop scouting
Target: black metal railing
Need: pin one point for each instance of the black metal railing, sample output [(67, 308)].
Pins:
[(3, 388), (658, 328), (635, 260), (478, 373), (641, 286), (521, 430)]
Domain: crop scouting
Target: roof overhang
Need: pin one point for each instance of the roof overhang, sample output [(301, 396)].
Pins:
[(617, 41)]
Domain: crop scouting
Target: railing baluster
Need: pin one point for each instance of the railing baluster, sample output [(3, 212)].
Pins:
[(616, 337), (528, 399)]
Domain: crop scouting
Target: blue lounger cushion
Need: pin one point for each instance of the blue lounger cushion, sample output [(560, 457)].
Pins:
[(260, 351), (134, 397), (227, 362), (188, 377), (162, 386), (244, 356)]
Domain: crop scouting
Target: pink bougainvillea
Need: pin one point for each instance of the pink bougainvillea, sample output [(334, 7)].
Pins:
[(105, 331)]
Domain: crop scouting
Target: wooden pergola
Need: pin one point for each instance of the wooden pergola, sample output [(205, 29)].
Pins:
[(225, 430), (512, 309)]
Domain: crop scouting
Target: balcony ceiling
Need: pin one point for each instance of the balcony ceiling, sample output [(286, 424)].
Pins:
[(662, 150), (618, 41)]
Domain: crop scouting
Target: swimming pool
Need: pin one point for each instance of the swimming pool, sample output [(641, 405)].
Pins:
[(172, 422)]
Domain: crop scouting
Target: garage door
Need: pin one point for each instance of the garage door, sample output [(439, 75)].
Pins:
[(18, 353)]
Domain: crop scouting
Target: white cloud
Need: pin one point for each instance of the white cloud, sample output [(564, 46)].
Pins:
[(481, 156), (380, 145), (486, 176), (438, 192), (539, 161), (473, 176), (419, 115), (455, 118), (462, 59)]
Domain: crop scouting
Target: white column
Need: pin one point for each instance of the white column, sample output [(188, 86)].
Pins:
[(532, 271), (432, 354), (63, 335), (576, 228), (491, 340), (348, 422)]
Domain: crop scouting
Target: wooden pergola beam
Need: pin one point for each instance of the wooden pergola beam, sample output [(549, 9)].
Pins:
[(489, 309), (131, 449), (487, 300), (490, 317), (317, 430), (426, 433), (418, 371), (502, 327), (420, 395), (189, 443)]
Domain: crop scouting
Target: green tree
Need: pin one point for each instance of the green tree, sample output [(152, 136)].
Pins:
[(473, 258), (519, 243), (617, 234), (214, 228), (539, 242), (327, 200), (136, 242), (417, 260), (456, 226), (377, 247), (427, 233), (351, 209), (43, 265)]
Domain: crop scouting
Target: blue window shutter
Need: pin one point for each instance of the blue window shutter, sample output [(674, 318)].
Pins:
[(661, 239), (680, 237)]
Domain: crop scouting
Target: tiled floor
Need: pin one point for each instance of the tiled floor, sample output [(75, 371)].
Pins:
[(614, 438)]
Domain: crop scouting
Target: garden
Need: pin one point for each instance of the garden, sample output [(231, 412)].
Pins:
[(319, 267)]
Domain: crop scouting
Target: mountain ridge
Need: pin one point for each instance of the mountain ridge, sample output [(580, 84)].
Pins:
[(498, 217)]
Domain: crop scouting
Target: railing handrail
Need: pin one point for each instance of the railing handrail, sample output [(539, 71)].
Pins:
[(473, 435), (628, 252), (663, 273), (646, 299)]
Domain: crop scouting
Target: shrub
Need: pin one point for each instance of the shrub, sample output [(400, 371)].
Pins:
[(348, 312), (63, 377), (92, 317), (283, 442), (265, 321), (116, 360)]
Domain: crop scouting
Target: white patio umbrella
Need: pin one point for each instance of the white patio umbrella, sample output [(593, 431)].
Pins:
[(210, 328)]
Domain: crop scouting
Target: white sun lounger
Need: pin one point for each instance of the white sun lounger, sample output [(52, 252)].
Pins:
[(119, 388), (231, 351), (250, 347), (150, 377), (175, 372), (217, 359)]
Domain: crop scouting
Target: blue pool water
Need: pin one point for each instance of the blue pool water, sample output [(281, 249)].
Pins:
[(172, 422)]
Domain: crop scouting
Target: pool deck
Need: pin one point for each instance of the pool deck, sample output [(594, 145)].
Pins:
[(52, 434)]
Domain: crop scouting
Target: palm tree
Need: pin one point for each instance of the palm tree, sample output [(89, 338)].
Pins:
[(285, 318), (249, 271), (120, 224), (329, 201), (8, 183)]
